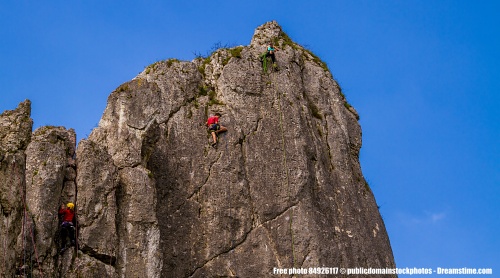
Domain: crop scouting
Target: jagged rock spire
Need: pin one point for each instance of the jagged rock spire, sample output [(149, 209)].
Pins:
[(265, 33), (15, 128)]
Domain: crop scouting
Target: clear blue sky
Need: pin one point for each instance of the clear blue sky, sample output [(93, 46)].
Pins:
[(423, 75)]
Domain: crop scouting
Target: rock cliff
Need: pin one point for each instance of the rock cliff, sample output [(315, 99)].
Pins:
[(282, 189)]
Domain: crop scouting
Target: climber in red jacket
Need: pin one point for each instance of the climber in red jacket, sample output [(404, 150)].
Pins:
[(67, 216), (214, 127)]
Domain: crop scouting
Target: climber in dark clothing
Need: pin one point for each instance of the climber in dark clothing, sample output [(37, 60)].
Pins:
[(271, 49), (214, 127), (67, 216), (270, 52)]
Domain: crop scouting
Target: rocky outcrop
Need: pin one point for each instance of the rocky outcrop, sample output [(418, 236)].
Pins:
[(37, 174), (15, 134), (283, 188), (50, 181)]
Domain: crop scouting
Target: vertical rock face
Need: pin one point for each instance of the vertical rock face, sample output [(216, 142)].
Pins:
[(37, 173), (283, 188), (50, 181), (15, 134)]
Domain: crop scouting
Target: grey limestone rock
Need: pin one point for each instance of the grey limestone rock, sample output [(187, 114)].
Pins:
[(47, 159), (283, 188), (15, 134), (15, 128), (33, 182)]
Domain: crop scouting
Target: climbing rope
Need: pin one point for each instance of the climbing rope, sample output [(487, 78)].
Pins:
[(23, 243), (283, 146), (36, 253), (32, 237), (230, 197), (32, 240), (5, 239), (76, 221), (4, 271), (263, 58), (266, 59), (228, 189)]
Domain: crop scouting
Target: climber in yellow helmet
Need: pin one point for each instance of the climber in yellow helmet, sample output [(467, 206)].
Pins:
[(67, 216)]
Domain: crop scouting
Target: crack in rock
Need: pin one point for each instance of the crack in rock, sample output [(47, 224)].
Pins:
[(106, 259)]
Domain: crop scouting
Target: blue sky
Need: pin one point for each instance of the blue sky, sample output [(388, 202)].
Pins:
[(423, 75)]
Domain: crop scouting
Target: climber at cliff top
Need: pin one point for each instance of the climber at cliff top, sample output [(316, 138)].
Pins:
[(214, 127), (67, 215), (270, 53)]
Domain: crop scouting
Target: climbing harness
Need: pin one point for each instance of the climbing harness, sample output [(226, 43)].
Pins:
[(285, 165)]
